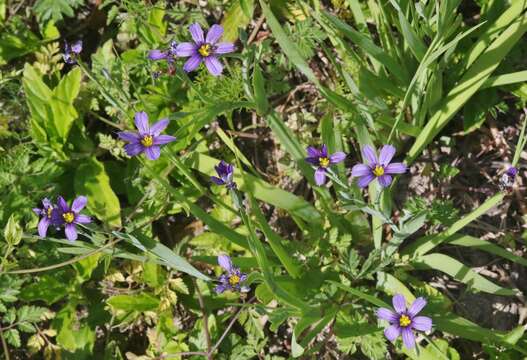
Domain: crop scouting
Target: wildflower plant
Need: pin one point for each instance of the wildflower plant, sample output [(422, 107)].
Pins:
[(70, 217), (148, 139), (379, 168), (322, 160), (72, 51), (316, 265), (225, 173), (232, 279), (204, 49), (404, 320)]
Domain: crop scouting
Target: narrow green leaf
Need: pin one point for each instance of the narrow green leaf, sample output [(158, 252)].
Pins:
[(471, 82), (363, 42), (275, 241), (260, 98), (427, 243), (505, 79), (168, 257), (470, 241), (259, 188), (462, 273)]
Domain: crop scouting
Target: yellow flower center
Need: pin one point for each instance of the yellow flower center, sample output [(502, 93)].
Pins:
[(323, 162), (404, 321), (378, 171), (147, 141), (68, 217), (49, 211), (234, 280), (204, 50)]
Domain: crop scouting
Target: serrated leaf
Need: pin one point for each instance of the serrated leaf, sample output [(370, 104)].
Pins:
[(13, 337), (179, 286), (26, 327), (30, 313), (55, 9), (13, 231)]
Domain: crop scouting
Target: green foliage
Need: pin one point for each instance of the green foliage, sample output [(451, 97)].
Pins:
[(434, 79), (55, 10)]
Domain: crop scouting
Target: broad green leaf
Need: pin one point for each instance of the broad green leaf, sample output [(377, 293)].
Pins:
[(238, 16), (48, 289), (492, 31), (38, 97), (72, 334), (138, 302), (64, 94), (461, 272), (92, 181)]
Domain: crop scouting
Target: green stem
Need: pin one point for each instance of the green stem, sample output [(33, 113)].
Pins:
[(64, 263)]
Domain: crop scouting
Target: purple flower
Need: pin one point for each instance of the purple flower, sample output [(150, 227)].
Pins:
[(512, 172), (69, 217), (168, 55), (507, 179), (71, 52), (404, 319), (233, 279), (377, 168), (148, 139), (322, 160), (47, 214), (225, 173), (204, 49)]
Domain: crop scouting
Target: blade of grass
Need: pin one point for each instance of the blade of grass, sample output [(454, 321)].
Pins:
[(427, 243), (473, 79), (505, 79), (470, 241), (461, 272), (275, 241)]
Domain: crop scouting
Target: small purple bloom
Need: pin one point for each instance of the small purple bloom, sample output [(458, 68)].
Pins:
[(404, 319), (233, 278), (47, 214), (512, 172), (69, 217), (377, 168), (148, 139), (72, 52), (322, 160), (225, 173), (204, 49), (508, 178)]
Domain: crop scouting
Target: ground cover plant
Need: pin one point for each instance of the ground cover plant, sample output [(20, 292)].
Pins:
[(263, 179)]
